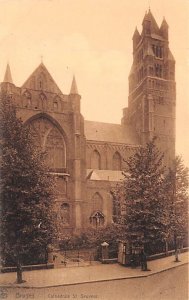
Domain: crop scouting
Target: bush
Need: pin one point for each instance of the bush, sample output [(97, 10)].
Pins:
[(92, 238)]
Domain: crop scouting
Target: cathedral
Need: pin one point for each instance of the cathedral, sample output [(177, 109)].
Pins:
[(87, 157)]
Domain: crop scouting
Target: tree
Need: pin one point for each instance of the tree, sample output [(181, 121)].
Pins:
[(144, 197), (27, 223), (118, 197), (176, 187)]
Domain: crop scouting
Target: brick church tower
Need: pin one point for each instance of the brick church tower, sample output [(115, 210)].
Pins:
[(152, 95)]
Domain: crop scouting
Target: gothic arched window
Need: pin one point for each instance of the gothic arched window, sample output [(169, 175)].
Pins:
[(50, 139), (65, 213), (55, 147), (116, 161), (97, 219), (56, 103), (97, 202), (42, 102), (95, 160)]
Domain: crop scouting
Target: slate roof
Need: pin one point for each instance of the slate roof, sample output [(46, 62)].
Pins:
[(108, 132), (107, 175)]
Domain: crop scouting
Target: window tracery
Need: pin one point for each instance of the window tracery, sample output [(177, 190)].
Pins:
[(97, 219), (48, 137)]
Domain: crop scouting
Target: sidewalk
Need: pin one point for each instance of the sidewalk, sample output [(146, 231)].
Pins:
[(91, 273)]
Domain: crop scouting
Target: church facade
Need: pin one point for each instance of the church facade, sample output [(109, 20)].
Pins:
[(87, 157)]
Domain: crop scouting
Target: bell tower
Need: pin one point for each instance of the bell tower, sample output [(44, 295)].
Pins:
[(152, 88)]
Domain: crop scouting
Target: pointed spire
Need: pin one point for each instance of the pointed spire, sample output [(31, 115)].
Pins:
[(74, 89), (164, 23), (145, 17), (8, 76), (136, 38), (164, 28), (136, 33), (150, 22)]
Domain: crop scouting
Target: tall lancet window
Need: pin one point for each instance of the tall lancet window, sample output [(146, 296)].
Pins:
[(95, 160), (116, 161), (65, 213)]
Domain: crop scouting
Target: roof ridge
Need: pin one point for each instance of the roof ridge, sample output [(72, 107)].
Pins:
[(103, 122)]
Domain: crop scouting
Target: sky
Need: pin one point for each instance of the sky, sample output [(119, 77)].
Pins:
[(93, 40)]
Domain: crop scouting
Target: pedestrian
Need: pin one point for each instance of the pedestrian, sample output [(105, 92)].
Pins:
[(54, 257), (133, 261), (143, 261)]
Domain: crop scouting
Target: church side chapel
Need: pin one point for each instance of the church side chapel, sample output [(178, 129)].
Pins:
[(87, 157)]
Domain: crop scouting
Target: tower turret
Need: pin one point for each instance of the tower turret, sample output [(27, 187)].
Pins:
[(164, 29), (136, 38), (74, 89), (74, 96), (149, 24)]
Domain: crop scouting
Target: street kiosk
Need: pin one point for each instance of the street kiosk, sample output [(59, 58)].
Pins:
[(128, 254)]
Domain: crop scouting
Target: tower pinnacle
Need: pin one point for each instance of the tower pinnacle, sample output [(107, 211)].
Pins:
[(8, 76), (74, 89)]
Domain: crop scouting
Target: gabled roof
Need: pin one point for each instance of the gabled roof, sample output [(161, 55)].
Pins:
[(107, 132), (41, 73), (8, 76)]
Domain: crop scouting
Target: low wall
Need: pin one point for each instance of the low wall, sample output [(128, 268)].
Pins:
[(108, 260), (164, 254), (28, 268)]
